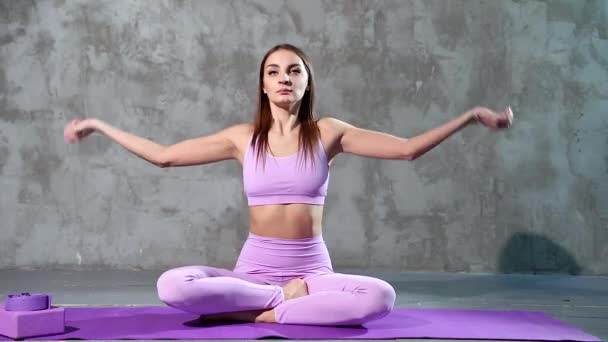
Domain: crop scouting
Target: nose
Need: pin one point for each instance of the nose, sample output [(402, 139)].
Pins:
[(286, 79)]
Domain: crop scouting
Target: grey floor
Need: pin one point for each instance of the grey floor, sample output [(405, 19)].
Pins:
[(581, 301)]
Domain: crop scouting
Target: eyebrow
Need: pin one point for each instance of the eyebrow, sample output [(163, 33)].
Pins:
[(290, 66)]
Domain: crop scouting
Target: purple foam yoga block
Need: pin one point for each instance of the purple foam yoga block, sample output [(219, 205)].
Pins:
[(22, 324)]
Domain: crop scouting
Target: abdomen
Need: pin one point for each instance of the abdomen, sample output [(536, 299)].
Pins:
[(286, 221)]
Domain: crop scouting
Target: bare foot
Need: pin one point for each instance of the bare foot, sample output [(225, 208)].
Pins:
[(295, 288), (268, 316)]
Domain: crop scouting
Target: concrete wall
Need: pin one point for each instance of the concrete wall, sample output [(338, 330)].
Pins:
[(532, 199)]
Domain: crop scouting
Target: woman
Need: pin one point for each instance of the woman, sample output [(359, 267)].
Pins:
[(284, 272)]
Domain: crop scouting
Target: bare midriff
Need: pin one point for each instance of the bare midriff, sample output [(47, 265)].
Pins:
[(286, 221)]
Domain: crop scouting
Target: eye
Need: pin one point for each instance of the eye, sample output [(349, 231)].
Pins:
[(296, 71), (272, 72)]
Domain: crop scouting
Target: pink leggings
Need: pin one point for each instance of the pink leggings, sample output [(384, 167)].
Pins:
[(264, 266)]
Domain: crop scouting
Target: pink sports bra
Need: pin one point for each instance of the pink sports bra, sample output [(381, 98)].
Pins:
[(287, 179)]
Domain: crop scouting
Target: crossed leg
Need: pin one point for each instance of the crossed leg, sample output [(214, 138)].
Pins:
[(327, 299), (209, 290), (339, 299)]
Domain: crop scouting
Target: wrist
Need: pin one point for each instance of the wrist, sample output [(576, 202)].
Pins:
[(472, 116), (95, 124)]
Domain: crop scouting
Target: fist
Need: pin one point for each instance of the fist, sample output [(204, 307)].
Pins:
[(76, 130), (492, 119)]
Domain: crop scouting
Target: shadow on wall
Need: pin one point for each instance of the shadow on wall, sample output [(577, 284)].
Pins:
[(533, 253)]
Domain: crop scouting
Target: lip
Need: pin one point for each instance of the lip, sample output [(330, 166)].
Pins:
[(284, 91)]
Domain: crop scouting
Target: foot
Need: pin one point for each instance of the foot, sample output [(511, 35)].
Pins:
[(295, 288)]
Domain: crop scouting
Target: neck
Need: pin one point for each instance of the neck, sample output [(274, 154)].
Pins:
[(285, 118)]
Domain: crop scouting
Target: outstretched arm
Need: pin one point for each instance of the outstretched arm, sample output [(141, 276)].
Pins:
[(203, 150), (374, 144)]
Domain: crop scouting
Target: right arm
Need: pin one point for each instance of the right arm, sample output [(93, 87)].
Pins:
[(196, 151)]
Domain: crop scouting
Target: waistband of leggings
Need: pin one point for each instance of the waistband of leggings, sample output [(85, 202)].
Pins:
[(265, 239)]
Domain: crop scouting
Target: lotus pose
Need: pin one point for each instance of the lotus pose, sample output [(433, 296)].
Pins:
[(283, 273)]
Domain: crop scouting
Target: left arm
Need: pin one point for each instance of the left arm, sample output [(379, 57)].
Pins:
[(374, 144)]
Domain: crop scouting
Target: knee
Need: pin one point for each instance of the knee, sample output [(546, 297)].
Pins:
[(168, 286), (382, 300)]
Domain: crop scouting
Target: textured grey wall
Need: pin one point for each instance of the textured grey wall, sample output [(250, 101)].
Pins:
[(532, 199)]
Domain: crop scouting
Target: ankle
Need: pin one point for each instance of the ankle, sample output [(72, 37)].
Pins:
[(286, 296)]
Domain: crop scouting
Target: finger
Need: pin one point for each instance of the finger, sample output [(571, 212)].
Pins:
[(66, 133), (509, 116), (77, 123)]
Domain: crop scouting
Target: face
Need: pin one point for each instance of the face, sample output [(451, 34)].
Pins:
[(285, 78)]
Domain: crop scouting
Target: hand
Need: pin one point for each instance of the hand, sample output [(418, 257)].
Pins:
[(78, 129), (491, 119)]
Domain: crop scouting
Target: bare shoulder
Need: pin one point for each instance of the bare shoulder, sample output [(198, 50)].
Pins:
[(332, 130), (239, 134), (332, 126), (326, 122), (238, 130), (329, 122)]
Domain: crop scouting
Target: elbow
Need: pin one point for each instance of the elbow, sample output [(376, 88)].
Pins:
[(409, 155), (163, 163), (162, 160), (408, 151)]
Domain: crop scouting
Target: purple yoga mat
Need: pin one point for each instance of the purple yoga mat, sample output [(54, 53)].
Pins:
[(156, 322)]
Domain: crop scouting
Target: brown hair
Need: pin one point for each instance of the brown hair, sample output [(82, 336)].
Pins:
[(309, 131)]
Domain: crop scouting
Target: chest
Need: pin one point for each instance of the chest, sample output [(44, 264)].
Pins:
[(283, 146)]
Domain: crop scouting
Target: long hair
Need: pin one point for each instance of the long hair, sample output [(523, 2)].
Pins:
[(309, 131)]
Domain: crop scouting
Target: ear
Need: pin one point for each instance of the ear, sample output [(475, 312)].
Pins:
[(265, 92)]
